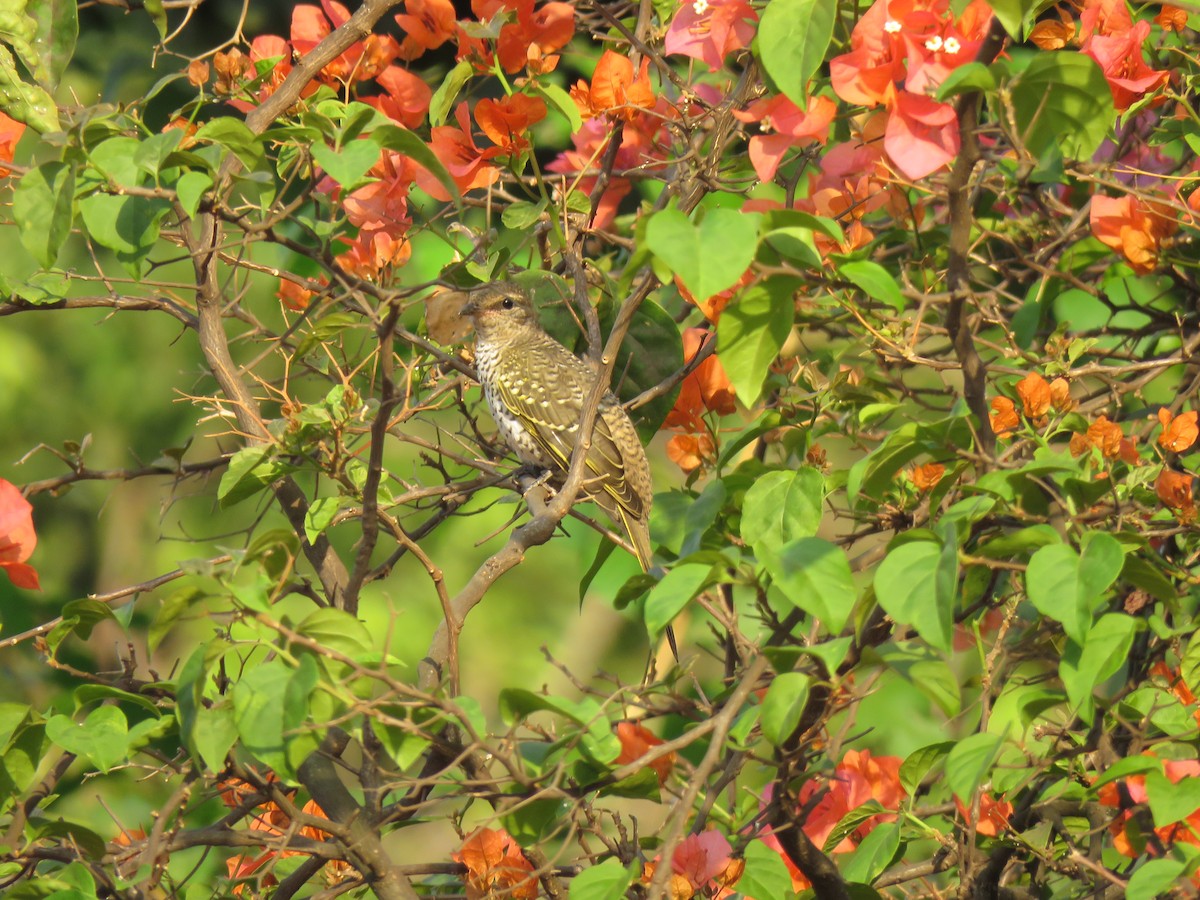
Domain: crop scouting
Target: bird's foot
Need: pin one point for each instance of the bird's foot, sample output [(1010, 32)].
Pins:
[(531, 477)]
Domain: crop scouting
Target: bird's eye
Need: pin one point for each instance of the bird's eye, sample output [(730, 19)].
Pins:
[(508, 303)]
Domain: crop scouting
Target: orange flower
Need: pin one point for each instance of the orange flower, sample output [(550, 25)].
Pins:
[(1004, 416), (713, 306), (197, 73), (1106, 436), (362, 60), (636, 742), (927, 476), (10, 132), (1179, 432), (1134, 226), (690, 451), (1060, 395), (1174, 489), (374, 254), (293, 296), (614, 89), (506, 121), (1034, 392), (1051, 35), (427, 24), (706, 389), (1172, 18), (17, 537), (993, 814), (467, 164), (496, 866)]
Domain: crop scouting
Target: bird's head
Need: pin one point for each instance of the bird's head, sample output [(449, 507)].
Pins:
[(499, 310)]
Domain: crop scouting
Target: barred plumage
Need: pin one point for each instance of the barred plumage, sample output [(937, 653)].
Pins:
[(535, 388)]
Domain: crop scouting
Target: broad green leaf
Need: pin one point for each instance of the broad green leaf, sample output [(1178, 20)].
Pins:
[(710, 257), (1123, 768), (54, 40), (969, 762), (125, 224), (561, 101), (1012, 15), (668, 598), (873, 854), (338, 630), (607, 881), (215, 733), (916, 585), (1066, 586), (234, 136), (190, 189), (158, 15), (258, 708), (447, 92), (24, 102), (783, 506), (793, 36), (103, 737), (348, 164), (246, 475), (1085, 665), (815, 576), (766, 874), (873, 280), (973, 76), (920, 763), (1171, 801), (1063, 100), (44, 208), (320, 514), (783, 705), (751, 332)]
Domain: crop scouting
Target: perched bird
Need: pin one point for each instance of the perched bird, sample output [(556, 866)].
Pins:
[(536, 388)]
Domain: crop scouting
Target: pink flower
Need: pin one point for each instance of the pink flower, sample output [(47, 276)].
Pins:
[(17, 537), (922, 134), (709, 30), (467, 164), (406, 99), (1120, 56), (785, 125)]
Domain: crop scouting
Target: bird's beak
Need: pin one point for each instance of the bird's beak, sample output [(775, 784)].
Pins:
[(469, 308)]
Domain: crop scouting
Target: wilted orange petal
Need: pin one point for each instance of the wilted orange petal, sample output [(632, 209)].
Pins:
[(1051, 35), (1172, 18), (1179, 432), (1174, 489), (1060, 395)]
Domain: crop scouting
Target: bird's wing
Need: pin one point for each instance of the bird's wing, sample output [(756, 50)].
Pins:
[(541, 405)]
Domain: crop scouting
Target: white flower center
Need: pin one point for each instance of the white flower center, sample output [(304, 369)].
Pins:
[(700, 7), (891, 26), (934, 44), (951, 45)]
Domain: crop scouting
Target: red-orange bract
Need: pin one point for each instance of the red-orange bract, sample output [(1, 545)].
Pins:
[(1034, 392), (1134, 226), (1174, 489), (926, 477), (496, 866), (636, 742), (10, 132), (1179, 432), (17, 537), (615, 91), (706, 389), (505, 121), (1003, 416), (993, 817)]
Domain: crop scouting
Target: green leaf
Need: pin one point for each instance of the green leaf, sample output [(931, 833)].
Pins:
[(44, 208), (125, 224), (751, 332), (103, 737), (348, 164), (338, 630), (1063, 100), (875, 281), (916, 585), (234, 136), (920, 763), (523, 214), (968, 763), (815, 576), (158, 15), (1171, 801), (320, 514), (1087, 663), (54, 40), (793, 36), (26, 103), (447, 92), (215, 733), (246, 475), (1012, 14), (258, 705), (708, 258), (783, 706), (606, 881), (783, 506), (973, 76), (874, 854), (1154, 878), (561, 101), (668, 598), (766, 874), (190, 189), (1123, 768), (1066, 586)]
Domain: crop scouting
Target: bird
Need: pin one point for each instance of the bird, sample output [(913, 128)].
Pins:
[(536, 388)]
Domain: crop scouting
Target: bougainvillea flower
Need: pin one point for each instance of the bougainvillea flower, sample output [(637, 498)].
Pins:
[(467, 164), (1034, 392), (1179, 432), (536, 33), (362, 60), (922, 134), (382, 205), (783, 125), (1060, 395), (505, 121), (706, 388), (373, 253), (1174, 489), (691, 451), (292, 295), (1050, 34), (1120, 56), (614, 90), (17, 537), (636, 742), (714, 305), (427, 24), (1100, 17), (406, 96), (709, 30), (496, 866), (1125, 793), (934, 54), (925, 477), (993, 817), (1003, 416), (875, 63), (1134, 226), (1171, 18), (702, 858)]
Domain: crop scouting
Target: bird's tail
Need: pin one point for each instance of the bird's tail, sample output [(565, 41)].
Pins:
[(638, 532)]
